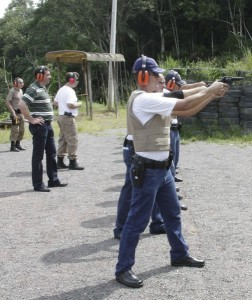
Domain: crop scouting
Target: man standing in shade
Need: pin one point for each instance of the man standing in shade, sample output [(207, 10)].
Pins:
[(37, 108)]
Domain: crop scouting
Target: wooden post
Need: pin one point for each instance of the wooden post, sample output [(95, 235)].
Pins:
[(84, 72), (90, 90), (58, 67), (115, 86)]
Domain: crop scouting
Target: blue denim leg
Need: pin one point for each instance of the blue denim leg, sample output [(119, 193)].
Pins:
[(175, 145), (177, 149), (158, 183), (156, 218), (169, 205), (124, 200)]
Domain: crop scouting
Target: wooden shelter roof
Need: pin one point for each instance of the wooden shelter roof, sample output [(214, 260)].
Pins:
[(77, 57)]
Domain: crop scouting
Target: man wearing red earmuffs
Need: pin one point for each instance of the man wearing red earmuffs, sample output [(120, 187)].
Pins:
[(17, 129), (148, 121), (68, 105), (37, 108), (174, 82)]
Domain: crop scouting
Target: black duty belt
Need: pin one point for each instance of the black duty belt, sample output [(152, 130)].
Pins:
[(174, 127), (68, 114), (129, 142), (154, 164)]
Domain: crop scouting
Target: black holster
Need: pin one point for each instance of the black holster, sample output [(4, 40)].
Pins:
[(69, 114), (137, 172)]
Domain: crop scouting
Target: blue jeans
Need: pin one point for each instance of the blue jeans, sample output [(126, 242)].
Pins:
[(175, 145), (43, 140), (158, 185), (124, 200)]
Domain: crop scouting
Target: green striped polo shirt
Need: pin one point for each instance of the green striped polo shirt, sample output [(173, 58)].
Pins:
[(38, 101)]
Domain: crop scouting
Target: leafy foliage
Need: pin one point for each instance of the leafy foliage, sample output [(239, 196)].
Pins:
[(186, 35)]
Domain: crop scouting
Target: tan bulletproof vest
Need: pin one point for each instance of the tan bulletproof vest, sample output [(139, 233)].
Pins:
[(152, 136)]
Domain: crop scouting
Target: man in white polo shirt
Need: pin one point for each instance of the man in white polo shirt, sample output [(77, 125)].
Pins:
[(68, 105)]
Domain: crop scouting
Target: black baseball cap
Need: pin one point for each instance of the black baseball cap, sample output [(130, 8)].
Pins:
[(174, 75), (147, 63)]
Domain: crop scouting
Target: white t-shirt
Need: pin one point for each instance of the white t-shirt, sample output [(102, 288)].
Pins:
[(145, 107), (64, 96)]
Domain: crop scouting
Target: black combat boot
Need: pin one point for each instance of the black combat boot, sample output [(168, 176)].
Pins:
[(73, 165), (18, 146), (13, 147), (60, 163)]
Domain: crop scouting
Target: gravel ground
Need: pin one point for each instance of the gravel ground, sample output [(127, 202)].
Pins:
[(60, 245)]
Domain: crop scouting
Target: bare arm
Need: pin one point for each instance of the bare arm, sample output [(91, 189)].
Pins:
[(8, 104), (194, 103), (193, 111), (74, 105), (192, 91), (188, 86), (26, 113)]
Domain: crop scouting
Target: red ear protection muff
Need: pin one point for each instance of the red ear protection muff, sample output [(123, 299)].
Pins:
[(15, 82), (72, 77), (171, 84), (143, 75), (40, 75)]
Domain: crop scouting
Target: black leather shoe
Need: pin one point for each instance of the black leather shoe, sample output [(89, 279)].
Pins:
[(117, 235), (178, 179), (19, 147), (14, 149), (42, 189), (128, 278), (56, 184), (188, 261), (180, 197), (183, 207), (160, 230)]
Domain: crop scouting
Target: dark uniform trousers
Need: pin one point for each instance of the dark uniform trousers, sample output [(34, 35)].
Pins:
[(43, 141)]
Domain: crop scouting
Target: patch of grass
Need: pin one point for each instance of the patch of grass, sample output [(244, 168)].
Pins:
[(105, 120), (102, 120), (234, 134)]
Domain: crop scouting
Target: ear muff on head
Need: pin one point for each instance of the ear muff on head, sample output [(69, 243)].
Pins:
[(15, 83), (71, 77), (40, 74), (171, 84), (143, 75)]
